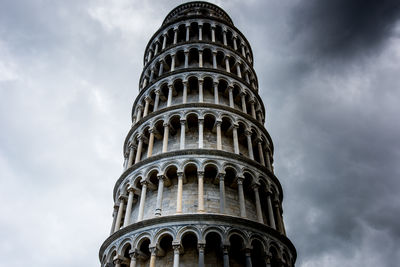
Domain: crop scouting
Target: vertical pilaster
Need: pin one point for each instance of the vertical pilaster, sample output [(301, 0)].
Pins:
[(128, 207), (160, 195), (142, 200), (179, 193), (221, 177), (200, 191), (183, 133), (201, 127), (165, 138)]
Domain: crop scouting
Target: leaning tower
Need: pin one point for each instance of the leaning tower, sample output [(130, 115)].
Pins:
[(198, 185)]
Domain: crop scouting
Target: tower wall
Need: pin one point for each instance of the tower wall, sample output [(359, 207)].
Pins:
[(198, 185)]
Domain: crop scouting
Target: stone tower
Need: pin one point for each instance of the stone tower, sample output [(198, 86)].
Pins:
[(198, 186)]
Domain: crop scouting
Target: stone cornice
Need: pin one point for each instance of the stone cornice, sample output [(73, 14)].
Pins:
[(200, 151), (199, 105), (200, 219)]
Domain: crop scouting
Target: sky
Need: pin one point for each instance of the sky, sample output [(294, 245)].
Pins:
[(328, 74)]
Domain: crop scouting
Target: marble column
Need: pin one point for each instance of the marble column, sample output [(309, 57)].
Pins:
[(119, 215), (169, 100), (200, 58), (235, 139), (139, 149), (242, 205), (219, 135), (200, 192), (186, 52), (231, 103), (165, 138), (161, 69), (260, 152), (235, 42), (129, 207), (201, 91), (133, 259), (159, 195), (227, 67), (151, 76), (114, 215), (214, 55), (279, 218), (176, 255), (253, 110), (172, 62), (226, 256), (258, 203), (152, 257), (187, 32), (157, 100), (183, 133), (142, 200), (201, 248), (243, 96), (239, 73), (151, 142), (213, 33), (221, 177), (201, 126), (216, 97), (164, 44), (270, 211), (139, 113), (184, 96), (248, 258), (156, 49), (179, 193), (200, 32), (175, 35), (267, 159), (131, 152), (146, 106), (224, 36), (243, 51), (249, 144)]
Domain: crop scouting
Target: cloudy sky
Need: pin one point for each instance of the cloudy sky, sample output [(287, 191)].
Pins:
[(329, 76)]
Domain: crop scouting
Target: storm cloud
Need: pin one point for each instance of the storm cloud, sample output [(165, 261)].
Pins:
[(328, 75)]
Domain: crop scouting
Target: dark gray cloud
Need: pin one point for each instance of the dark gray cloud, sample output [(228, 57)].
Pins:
[(344, 28)]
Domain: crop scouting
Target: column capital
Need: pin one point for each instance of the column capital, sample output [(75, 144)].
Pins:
[(221, 176), (235, 125), (153, 250), (252, 100), (234, 36), (157, 91), (166, 124), (122, 198), (132, 253), (144, 182), (183, 121), (218, 122), (161, 177), (201, 246), (131, 189), (147, 98), (247, 132), (240, 179), (175, 28), (200, 173), (255, 186), (180, 174), (201, 80)]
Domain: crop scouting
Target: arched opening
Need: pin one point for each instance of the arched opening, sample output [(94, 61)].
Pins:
[(274, 257), (125, 254), (208, 90), (257, 254), (190, 173), (237, 100), (193, 58), (227, 134), (194, 31), (170, 37), (219, 38), (174, 133), (211, 189), (213, 254), (207, 58), (158, 131), (242, 140), (192, 133), (220, 60), (166, 251), (249, 197), (231, 192), (207, 32), (229, 38), (181, 33), (236, 251), (193, 90), (163, 96), (180, 60), (178, 92), (209, 133), (223, 92), (190, 257), (143, 252)]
